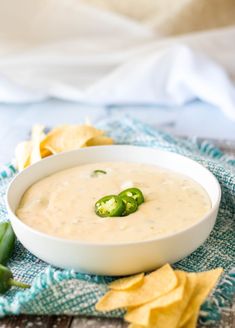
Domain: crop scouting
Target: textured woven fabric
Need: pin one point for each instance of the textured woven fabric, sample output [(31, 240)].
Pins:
[(57, 291)]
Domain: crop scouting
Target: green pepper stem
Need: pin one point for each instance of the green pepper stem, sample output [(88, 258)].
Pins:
[(16, 283)]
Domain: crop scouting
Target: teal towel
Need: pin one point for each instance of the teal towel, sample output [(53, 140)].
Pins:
[(57, 291)]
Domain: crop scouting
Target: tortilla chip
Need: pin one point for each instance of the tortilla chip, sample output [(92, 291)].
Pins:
[(62, 138), (192, 322), (127, 283), (46, 152), (48, 149), (205, 283), (170, 316), (22, 154), (99, 141), (155, 285), (141, 314), (37, 136), (69, 137)]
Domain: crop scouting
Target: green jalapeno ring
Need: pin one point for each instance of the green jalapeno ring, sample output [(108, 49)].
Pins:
[(130, 205), (109, 206), (134, 193)]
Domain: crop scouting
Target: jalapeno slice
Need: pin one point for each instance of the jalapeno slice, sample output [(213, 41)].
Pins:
[(134, 193), (97, 173), (109, 206), (130, 205)]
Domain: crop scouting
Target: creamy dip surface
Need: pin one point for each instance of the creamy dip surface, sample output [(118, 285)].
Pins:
[(62, 204)]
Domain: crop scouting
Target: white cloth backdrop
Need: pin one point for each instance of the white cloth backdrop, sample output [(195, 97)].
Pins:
[(73, 51)]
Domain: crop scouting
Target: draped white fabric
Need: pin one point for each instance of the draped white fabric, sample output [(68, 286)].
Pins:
[(69, 50)]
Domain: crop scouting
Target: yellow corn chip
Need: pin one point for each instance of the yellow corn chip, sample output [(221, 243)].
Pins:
[(127, 283), (48, 149), (69, 137), (62, 138), (99, 141), (22, 154), (205, 282), (37, 136), (192, 322), (46, 152), (140, 315), (170, 316), (155, 284)]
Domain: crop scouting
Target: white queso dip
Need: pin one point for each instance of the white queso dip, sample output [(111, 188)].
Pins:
[(63, 204)]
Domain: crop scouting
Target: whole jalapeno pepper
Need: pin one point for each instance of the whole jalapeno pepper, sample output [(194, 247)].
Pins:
[(3, 228), (130, 205), (109, 206), (134, 193), (7, 241), (7, 281)]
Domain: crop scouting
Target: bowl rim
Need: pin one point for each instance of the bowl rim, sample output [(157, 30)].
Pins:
[(112, 244)]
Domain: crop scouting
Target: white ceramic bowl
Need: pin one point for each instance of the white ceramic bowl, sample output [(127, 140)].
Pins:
[(113, 259)]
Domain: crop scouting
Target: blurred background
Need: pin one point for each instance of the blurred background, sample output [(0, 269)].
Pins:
[(167, 63)]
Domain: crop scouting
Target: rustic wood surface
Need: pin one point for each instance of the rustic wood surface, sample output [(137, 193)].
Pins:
[(24, 321)]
